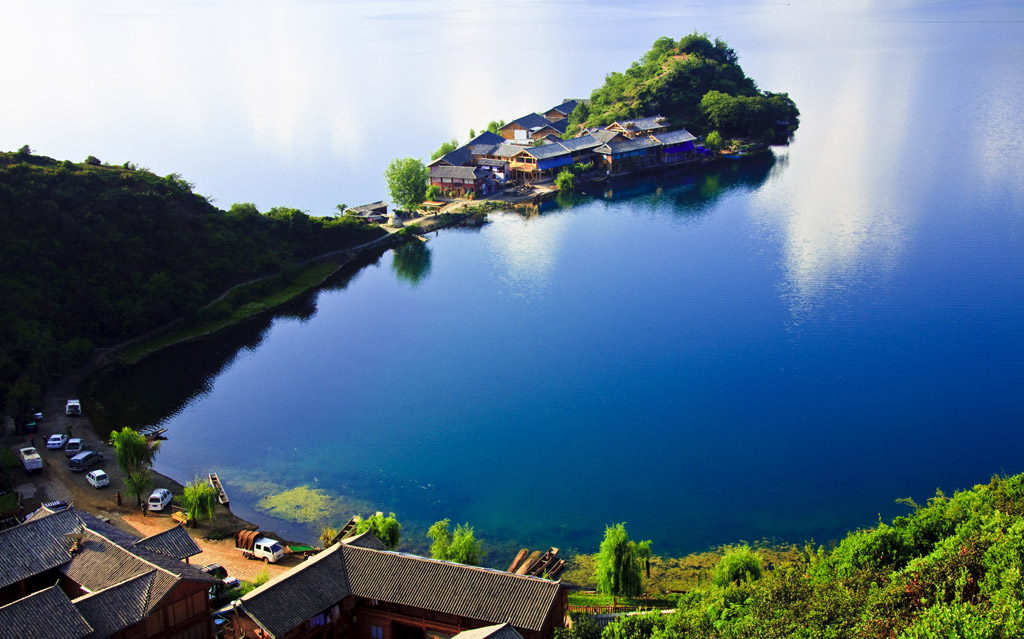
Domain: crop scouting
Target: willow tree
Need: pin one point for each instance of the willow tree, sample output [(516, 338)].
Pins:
[(199, 499), (135, 459), (621, 563), (387, 529), (460, 546)]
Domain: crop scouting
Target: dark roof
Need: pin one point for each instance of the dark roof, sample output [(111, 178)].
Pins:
[(121, 606), (583, 142), (347, 569), (365, 208), (506, 150), (529, 121), (490, 162), (365, 540), (674, 137), (565, 107), (43, 544), (499, 631), (47, 614), (176, 542), (464, 172), (486, 137), (559, 125), (642, 124), (622, 146), (603, 136), (458, 157), (467, 591), (291, 598), (547, 151)]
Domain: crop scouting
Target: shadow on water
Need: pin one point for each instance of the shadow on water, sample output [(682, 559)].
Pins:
[(164, 383)]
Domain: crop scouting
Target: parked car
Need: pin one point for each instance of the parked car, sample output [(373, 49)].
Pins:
[(97, 478), (31, 462), (56, 442), (159, 499), (73, 407), (73, 447), (84, 460)]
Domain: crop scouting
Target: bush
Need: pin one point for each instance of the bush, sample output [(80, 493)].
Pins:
[(739, 564)]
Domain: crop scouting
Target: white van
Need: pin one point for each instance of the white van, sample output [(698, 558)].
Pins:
[(159, 499)]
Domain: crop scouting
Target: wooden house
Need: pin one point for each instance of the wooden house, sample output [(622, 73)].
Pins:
[(676, 146), (397, 596), (68, 574), (622, 155), (521, 130), (561, 111), (460, 181)]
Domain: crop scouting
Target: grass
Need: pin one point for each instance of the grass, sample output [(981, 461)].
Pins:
[(303, 281), (9, 503), (7, 458)]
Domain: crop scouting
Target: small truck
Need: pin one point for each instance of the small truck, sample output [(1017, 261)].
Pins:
[(30, 460), (73, 407), (254, 545)]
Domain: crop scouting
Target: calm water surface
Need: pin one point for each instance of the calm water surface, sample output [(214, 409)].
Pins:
[(774, 350)]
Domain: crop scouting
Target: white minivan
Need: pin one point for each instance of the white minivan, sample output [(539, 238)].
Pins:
[(97, 478), (159, 499)]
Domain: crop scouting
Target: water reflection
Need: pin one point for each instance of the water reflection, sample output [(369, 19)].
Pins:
[(411, 261)]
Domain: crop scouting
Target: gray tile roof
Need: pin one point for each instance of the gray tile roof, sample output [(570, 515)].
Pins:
[(346, 569), (506, 150), (366, 208), (565, 107), (463, 172), (47, 614), (365, 540), (499, 631), (43, 542), (173, 542), (291, 598), (467, 591), (625, 145), (581, 143), (529, 121), (547, 151), (123, 605), (640, 125), (674, 137)]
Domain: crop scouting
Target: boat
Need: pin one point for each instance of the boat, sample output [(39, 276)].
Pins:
[(222, 496)]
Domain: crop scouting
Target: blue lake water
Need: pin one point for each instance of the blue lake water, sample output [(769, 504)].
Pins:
[(777, 349)]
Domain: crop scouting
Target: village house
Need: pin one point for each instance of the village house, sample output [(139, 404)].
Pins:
[(676, 146), (563, 110), (359, 590), (522, 130), (462, 181), (376, 212), (640, 127), (69, 575)]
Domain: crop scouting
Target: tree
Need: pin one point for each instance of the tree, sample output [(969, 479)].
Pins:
[(137, 483), (739, 564), (199, 499), (92, 160), (24, 151), (472, 133), (445, 148), (387, 529), (714, 141), (407, 182), (494, 125), (565, 181), (620, 563), (341, 208), (460, 547)]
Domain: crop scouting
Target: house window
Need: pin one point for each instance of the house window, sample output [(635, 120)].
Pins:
[(376, 632), (318, 620)]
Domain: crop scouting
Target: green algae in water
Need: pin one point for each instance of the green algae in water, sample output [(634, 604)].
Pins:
[(307, 505)]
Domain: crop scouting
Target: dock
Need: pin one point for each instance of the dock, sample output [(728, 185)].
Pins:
[(222, 496)]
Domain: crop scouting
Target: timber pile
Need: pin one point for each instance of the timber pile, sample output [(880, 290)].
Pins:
[(535, 564)]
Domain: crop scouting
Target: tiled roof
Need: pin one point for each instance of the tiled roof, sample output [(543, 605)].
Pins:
[(458, 157), (291, 598), (603, 136), (499, 631), (506, 150), (467, 591), (365, 540), (547, 151), (529, 121), (346, 569), (463, 172), (486, 137), (99, 564), (120, 606), (642, 124), (674, 137), (365, 208), (583, 142), (623, 146), (565, 107), (42, 542), (47, 614)]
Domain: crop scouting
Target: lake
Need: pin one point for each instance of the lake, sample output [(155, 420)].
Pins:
[(778, 349)]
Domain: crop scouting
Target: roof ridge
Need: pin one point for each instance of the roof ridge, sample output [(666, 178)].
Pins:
[(446, 562)]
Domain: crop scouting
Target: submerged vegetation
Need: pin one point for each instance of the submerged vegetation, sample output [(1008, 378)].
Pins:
[(952, 568)]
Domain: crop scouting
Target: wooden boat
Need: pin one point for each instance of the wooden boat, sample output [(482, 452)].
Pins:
[(222, 496)]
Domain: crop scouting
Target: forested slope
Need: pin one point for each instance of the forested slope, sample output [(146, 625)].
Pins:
[(94, 254), (696, 83)]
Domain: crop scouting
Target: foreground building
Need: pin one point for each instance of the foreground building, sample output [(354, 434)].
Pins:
[(68, 575), (359, 590)]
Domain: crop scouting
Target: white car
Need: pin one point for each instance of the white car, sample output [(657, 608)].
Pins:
[(97, 478), (56, 442), (159, 499)]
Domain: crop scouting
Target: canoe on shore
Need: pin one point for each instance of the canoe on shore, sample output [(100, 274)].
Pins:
[(222, 496)]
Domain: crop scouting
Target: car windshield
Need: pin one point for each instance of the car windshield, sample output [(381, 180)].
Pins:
[(275, 548)]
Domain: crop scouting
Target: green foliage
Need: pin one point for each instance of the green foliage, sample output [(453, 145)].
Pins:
[(92, 160), (738, 564), (494, 125), (673, 79), (133, 451), (7, 458), (387, 529), (581, 627), (714, 141), (138, 482), (620, 563), (445, 148), (472, 133), (199, 499), (126, 251), (24, 151), (635, 626), (460, 547), (433, 192), (566, 181), (407, 182), (953, 568)]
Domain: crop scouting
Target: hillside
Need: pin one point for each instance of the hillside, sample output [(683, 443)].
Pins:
[(95, 254), (696, 83), (952, 568)]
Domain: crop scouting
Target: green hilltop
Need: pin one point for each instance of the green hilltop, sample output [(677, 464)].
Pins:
[(96, 254), (696, 83)]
